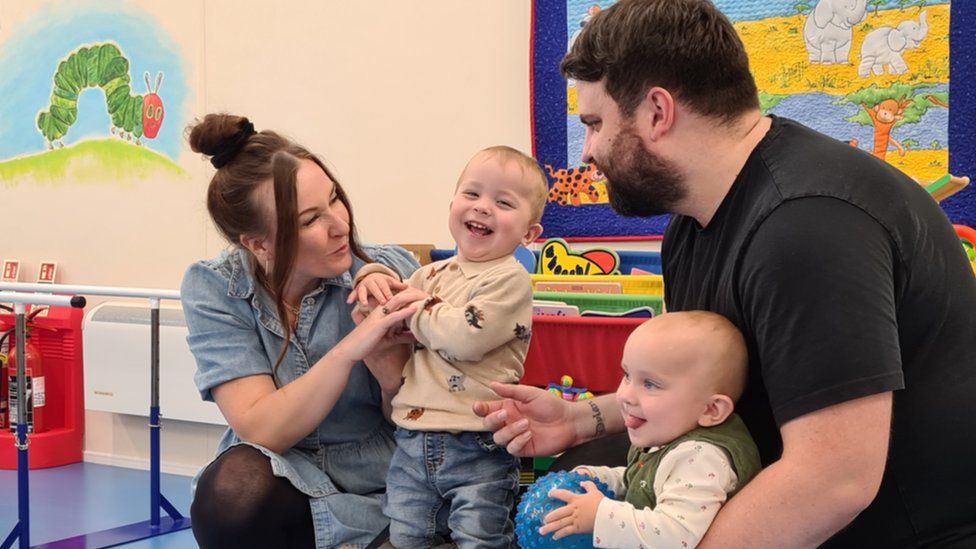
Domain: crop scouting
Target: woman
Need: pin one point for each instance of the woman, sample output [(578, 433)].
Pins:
[(303, 388)]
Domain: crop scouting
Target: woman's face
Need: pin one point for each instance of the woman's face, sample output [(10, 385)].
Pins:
[(323, 229), (323, 225)]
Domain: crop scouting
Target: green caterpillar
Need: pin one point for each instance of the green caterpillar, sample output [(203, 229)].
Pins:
[(104, 66)]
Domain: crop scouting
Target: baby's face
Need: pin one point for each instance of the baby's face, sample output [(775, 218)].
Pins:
[(491, 210), (663, 393)]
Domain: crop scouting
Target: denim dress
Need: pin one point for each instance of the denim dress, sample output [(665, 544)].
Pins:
[(235, 332)]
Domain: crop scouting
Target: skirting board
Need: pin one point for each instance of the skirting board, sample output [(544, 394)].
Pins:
[(102, 458)]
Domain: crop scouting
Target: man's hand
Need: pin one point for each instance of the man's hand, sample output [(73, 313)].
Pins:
[(528, 421), (578, 515)]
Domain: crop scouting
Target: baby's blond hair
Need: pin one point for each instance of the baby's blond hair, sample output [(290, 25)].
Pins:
[(720, 350), (530, 170)]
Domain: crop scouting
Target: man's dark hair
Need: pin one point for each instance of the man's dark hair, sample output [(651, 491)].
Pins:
[(687, 47)]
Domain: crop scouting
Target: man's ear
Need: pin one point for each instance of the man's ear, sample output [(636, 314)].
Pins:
[(533, 233), (717, 409), (658, 109), (257, 245)]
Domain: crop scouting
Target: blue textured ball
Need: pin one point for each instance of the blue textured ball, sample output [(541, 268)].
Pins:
[(536, 504)]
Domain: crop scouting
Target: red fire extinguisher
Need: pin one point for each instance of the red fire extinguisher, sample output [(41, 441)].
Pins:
[(34, 393), (4, 414), (4, 353)]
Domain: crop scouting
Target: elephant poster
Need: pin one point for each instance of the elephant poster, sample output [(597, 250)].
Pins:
[(872, 73)]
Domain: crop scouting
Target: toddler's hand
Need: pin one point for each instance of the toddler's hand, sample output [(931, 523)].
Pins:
[(360, 312), (578, 515), (379, 286), (406, 297)]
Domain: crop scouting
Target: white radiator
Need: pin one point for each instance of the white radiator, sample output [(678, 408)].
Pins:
[(117, 347)]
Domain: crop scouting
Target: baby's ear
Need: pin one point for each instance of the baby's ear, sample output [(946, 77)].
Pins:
[(533, 233), (717, 409)]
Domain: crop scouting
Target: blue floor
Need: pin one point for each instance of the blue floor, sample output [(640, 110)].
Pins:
[(83, 497)]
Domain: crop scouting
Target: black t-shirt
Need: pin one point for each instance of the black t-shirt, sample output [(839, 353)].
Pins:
[(847, 280)]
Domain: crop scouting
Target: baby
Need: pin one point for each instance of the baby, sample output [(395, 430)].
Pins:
[(682, 373), (447, 474)]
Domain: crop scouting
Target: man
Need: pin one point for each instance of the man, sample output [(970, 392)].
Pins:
[(846, 278)]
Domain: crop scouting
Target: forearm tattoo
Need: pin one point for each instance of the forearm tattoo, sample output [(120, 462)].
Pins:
[(601, 429)]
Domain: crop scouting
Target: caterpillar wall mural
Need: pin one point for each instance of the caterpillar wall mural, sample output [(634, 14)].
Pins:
[(104, 66), (95, 92)]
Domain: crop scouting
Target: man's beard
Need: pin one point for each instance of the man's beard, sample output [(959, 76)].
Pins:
[(640, 183)]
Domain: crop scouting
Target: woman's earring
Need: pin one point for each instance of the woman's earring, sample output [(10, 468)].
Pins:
[(267, 265)]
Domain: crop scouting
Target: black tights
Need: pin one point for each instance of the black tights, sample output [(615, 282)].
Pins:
[(240, 503)]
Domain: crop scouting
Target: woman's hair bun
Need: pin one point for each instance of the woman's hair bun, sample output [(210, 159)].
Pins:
[(210, 134)]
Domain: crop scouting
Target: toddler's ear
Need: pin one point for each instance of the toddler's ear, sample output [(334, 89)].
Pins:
[(717, 409), (533, 233)]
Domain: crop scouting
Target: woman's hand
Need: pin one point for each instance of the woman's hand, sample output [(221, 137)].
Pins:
[(379, 286), (406, 297), (371, 332), (386, 365)]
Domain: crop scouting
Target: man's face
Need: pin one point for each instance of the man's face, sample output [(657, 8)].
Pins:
[(640, 183)]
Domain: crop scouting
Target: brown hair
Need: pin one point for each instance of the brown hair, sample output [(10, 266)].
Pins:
[(530, 170), (687, 47), (237, 210)]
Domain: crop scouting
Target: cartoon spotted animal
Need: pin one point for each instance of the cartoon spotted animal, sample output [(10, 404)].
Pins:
[(474, 315), (414, 415), (556, 258), (456, 383), (570, 184)]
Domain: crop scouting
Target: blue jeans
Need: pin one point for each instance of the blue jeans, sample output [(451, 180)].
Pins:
[(463, 484)]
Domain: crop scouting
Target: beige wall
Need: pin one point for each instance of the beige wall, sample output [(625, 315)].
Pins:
[(394, 95)]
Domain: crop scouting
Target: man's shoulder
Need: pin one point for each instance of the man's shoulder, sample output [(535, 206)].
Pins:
[(799, 161)]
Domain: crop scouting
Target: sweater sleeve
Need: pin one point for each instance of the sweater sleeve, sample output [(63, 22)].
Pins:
[(400, 261), (496, 306), (691, 484)]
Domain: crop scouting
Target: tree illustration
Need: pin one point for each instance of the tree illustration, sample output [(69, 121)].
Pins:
[(888, 108), (801, 7), (876, 4)]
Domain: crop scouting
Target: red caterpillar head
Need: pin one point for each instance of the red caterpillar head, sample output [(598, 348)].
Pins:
[(152, 108)]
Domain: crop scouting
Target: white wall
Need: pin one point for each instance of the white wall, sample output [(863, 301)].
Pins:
[(396, 96)]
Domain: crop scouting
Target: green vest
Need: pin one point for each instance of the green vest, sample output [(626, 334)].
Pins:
[(732, 436)]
